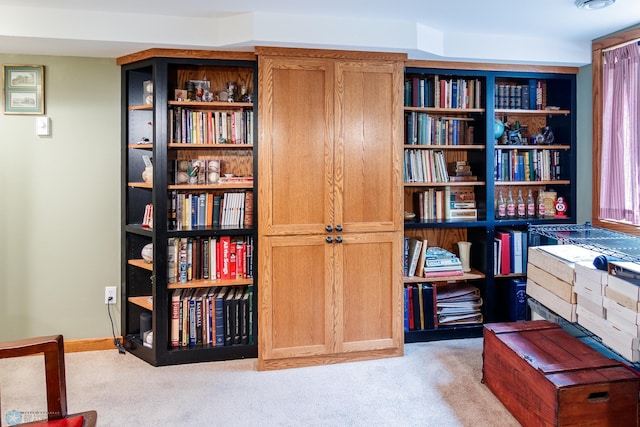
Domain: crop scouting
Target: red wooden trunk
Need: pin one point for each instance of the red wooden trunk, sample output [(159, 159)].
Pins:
[(546, 377)]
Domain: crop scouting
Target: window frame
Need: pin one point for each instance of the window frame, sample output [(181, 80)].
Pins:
[(597, 49)]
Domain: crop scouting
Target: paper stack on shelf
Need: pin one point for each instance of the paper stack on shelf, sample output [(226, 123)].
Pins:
[(458, 303)]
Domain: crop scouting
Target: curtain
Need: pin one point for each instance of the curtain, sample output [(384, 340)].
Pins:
[(620, 162)]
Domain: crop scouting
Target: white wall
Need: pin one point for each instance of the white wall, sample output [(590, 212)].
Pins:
[(60, 204)]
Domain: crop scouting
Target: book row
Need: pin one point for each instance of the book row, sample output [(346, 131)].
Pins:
[(439, 92), (189, 211), (214, 316), (209, 258), (425, 166), (425, 129), (528, 165), (445, 203), (427, 306), (528, 96), (510, 252), (189, 126)]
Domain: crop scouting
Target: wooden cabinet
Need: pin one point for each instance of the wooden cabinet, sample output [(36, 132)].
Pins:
[(330, 210)]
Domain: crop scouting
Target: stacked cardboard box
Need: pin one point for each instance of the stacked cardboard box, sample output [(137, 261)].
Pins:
[(551, 276), (621, 303)]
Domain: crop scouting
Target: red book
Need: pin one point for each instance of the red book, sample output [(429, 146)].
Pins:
[(505, 255), (225, 243)]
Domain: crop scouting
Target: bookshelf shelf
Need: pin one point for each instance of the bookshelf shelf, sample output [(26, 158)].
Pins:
[(481, 151), (140, 263), (187, 238), (472, 275), (143, 301)]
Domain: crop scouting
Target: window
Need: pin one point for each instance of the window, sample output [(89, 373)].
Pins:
[(616, 132)]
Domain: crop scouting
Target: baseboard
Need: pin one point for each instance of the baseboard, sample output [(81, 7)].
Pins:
[(90, 344)]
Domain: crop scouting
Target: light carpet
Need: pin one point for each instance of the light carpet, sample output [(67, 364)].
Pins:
[(434, 384)]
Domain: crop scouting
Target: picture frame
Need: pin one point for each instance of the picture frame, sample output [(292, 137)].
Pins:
[(22, 89)]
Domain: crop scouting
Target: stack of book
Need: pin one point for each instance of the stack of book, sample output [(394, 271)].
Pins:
[(461, 171), (439, 262), (458, 303)]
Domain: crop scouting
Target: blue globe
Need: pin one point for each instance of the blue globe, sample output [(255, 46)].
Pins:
[(498, 128)]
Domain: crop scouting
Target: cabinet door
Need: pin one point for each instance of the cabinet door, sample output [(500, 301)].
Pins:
[(296, 300), (295, 170), (368, 141), (369, 296)]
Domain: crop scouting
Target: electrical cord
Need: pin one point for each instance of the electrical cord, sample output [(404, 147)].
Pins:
[(121, 349)]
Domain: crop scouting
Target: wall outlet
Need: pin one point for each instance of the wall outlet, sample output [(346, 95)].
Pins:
[(110, 294)]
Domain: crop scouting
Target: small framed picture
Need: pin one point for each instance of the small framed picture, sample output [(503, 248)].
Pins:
[(23, 89)]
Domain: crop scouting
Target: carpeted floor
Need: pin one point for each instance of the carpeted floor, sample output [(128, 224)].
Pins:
[(434, 384)]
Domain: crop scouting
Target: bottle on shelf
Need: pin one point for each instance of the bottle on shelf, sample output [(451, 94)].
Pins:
[(521, 207), (511, 206), (531, 205), (501, 210), (541, 209)]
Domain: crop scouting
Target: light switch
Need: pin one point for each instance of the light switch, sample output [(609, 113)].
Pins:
[(43, 126)]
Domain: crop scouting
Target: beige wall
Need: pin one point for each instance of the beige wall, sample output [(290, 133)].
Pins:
[(60, 204)]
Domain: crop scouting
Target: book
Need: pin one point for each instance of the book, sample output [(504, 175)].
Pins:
[(429, 302), (175, 317), (517, 299), (219, 298), (505, 251), (415, 247), (421, 259), (250, 310)]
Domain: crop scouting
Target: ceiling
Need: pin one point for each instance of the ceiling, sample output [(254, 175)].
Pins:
[(527, 31)]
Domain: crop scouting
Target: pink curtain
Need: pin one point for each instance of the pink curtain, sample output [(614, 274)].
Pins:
[(620, 180)]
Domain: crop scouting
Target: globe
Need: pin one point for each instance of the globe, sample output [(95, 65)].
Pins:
[(498, 128)]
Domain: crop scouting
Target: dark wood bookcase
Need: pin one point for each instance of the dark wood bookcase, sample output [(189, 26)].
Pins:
[(480, 149), (148, 130)]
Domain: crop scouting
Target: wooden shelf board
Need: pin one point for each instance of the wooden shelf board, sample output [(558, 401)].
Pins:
[(445, 147), (208, 146), (141, 263), (446, 184), (143, 301), (208, 283), (140, 185), (472, 275), (141, 146), (141, 107), (554, 182), (533, 147)]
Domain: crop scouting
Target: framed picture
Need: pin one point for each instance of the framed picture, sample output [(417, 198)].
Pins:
[(23, 89)]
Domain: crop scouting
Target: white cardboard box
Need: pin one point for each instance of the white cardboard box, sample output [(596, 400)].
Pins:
[(592, 322), (552, 301), (622, 299), (620, 341), (619, 311), (587, 271), (551, 283), (590, 305), (624, 287), (553, 265)]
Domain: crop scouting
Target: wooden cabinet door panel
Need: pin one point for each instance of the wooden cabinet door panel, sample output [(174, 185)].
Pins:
[(369, 292), (368, 166), (296, 296), (295, 165)]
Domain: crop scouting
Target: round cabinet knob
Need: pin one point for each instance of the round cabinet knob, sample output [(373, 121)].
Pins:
[(329, 239), (329, 228), (338, 227), (339, 239)]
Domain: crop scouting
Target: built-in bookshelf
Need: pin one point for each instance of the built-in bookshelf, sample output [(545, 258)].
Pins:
[(188, 190), (474, 134)]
